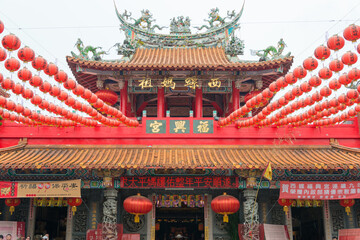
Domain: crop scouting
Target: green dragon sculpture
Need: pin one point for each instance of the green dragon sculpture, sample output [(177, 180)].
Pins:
[(215, 20), (84, 51), (272, 52), (145, 21)]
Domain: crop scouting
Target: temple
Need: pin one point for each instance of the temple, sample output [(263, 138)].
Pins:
[(168, 133)]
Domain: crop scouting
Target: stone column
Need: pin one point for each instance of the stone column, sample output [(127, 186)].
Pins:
[(208, 218), (327, 220), (288, 222), (251, 216), (150, 219), (69, 224), (109, 223), (31, 219)]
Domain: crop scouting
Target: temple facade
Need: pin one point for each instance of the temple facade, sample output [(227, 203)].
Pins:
[(177, 86)]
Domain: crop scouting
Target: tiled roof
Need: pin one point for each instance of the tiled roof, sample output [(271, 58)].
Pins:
[(174, 156), (181, 59)]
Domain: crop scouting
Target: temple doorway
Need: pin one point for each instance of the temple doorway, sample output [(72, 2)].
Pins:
[(52, 221), (179, 223), (308, 223)]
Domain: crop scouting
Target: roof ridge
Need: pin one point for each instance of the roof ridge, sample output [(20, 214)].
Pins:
[(335, 144), (20, 146)]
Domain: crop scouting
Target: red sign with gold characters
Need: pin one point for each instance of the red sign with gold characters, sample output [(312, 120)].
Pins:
[(319, 190), (179, 182), (71, 188)]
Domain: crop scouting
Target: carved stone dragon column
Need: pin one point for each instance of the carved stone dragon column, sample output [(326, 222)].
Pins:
[(109, 224), (251, 215)]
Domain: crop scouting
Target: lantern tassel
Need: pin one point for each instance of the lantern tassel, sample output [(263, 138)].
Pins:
[(137, 218), (12, 209), (226, 218), (347, 210), (73, 209), (286, 209)]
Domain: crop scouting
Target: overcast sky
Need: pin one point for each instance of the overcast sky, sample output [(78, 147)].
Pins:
[(51, 27)]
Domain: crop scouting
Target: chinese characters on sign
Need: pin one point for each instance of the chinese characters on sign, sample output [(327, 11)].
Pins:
[(203, 126), (179, 182), (69, 188), (214, 82), (191, 82), (168, 82), (168, 201), (319, 190), (155, 126), (179, 126), (145, 83)]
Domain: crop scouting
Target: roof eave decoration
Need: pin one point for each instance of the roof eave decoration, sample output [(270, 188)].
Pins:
[(220, 34)]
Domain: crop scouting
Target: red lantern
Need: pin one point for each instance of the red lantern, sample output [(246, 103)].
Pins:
[(36, 81), (55, 91), (352, 94), (296, 91), (18, 89), (354, 74), (87, 94), (289, 96), (137, 205), (352, 33), (347, 203), (61, 77), (1, 26), (281, 82), (24, 74), (247, 97), (70, 101), (310, 63), (3, 54), (7, 84), (344, 79), (36, 100), (334, 84), (63, 96), (70, 84), (290, 78), (12, 64), (26, 54), (45, 87), (39, 63), (27, 94), (315, 81), (74, 202), (225, 204), (11, 42), (336, 65), (12, 203), (51, 69), (335, 42), (78, 90), (325, 73), (325, 91), (109, 97), (317, 97), (358, 48), (299, 72), (305, 87), (322, 52), (349, 58)]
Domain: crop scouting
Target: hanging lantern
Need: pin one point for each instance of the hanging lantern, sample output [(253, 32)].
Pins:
[(87, 94), (296, 91), (274, 87), (325, 91), (310, 64), (7, 84), (51, 69), (61, 76), (281, 82), (137, 205), (299, 72), (344, 79), (354, 74), (225, 204), (39, 63), (349, 58), (286, 203), (24, 74), (358, 48), (36, 81), (70, 84), (347, 203), (315, 81), (1, 26), (109, 97), (247, 97), (352, 94), (334, 84), (352, 33), (36, 100), (336, 65), (63, 95), (11, 42), (26, 54), (325, 73), (317, 97), (12, 203), (336, 42), (78, 90), (3, 54), (305, 87), (12, 64), (290, 78), (27, 94), (55, 91), (45, 87), (18, 89), (322, 52), (74, 202)]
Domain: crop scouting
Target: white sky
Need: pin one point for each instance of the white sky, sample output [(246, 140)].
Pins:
[(51, 27)]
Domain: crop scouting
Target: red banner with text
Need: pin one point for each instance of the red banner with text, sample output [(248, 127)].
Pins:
[(319, 190)]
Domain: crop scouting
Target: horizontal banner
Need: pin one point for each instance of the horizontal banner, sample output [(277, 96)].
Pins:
[(319, 190), (179, 182), (71, 188)]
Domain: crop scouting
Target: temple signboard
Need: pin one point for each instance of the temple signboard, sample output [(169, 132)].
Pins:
[(179, 182), (319, 190), (180, 126)]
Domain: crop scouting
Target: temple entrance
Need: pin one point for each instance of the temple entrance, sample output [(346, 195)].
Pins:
[(179, 223), (308, 223), (52, 221)]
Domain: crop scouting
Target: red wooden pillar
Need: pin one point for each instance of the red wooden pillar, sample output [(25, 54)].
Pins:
[(161, 102), (198, 103), (123, 98), (235, 97)]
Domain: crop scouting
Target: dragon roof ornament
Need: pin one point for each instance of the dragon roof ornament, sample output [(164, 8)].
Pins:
[(141, 32)]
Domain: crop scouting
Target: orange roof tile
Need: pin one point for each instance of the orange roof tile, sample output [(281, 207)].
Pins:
[(181, 58), (186, 157)]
